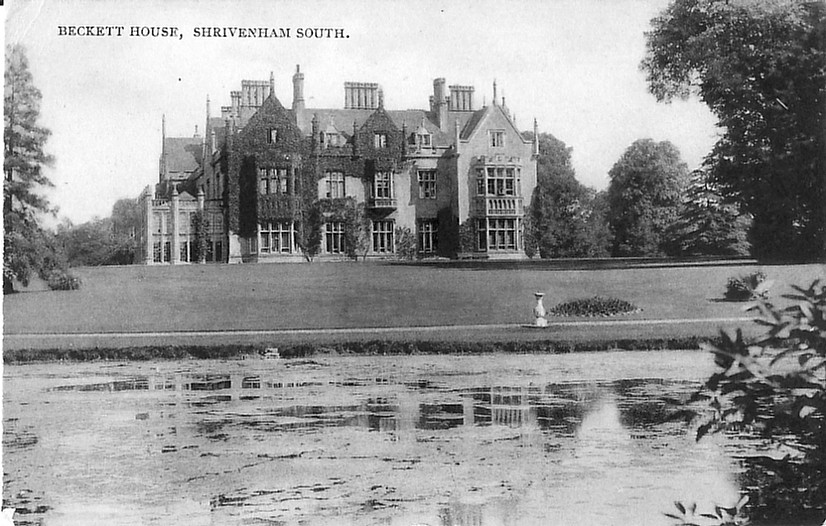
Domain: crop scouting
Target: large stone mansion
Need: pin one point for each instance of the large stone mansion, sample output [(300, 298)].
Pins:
[(266, 182)]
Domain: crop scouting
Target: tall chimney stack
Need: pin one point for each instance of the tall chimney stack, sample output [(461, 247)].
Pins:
[(298, 89), (440, 103), (361, 95)]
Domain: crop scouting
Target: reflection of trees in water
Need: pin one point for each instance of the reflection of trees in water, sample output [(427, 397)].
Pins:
[(774, 490)]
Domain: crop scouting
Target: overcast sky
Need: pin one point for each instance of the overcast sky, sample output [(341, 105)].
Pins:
[(572, 65)]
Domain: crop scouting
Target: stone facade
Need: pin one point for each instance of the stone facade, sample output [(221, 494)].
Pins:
[(274, 184)]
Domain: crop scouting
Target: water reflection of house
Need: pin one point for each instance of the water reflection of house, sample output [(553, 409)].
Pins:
[(555, 406), (497, 511)]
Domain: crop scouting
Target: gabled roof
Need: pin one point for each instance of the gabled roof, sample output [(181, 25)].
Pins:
[(473, 122), (182, 154), (479, 116), (343, 120)]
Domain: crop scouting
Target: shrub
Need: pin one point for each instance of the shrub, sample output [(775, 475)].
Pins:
[(467, 237), (406, 245), (596, 306), (774, 387), (748, 287), (61, 280)]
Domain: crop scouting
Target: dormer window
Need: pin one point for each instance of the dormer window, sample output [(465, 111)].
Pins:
[(497, 138), (272, 136), (331, 136), (423, 138), (379, 140)]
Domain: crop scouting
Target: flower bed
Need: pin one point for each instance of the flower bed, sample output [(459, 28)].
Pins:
[(596, 306)]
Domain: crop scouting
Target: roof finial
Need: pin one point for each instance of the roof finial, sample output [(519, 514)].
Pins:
[(381, 98), (272, 84), (494, 92)]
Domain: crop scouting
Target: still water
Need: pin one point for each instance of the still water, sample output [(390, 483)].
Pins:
[(398, 441)]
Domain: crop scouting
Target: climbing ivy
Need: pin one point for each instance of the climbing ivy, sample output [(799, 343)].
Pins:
[(200, 225)]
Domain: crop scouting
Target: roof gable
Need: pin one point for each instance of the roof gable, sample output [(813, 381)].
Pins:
[(379, 123), (257, 134), (489, 117)]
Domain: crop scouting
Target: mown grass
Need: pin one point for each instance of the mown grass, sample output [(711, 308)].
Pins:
[(364, 295)]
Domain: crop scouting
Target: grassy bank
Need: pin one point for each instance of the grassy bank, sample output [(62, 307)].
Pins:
[(352, 295), (371, 347), (203, 306)]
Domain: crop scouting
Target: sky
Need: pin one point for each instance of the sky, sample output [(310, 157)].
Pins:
[(572, 65)]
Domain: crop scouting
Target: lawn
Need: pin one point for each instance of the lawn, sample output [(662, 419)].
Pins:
[(353, 295)]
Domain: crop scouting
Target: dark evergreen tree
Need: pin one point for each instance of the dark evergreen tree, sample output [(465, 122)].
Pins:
[(707, 225), (27, 248)]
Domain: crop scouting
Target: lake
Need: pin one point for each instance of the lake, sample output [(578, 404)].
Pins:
[(483, 440)]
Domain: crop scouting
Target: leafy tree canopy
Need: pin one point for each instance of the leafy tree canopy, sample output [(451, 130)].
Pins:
[(760, 66), (563, 219), (644, 196)]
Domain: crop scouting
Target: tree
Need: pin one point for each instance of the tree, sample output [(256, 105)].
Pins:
[(200, 226), (356, 229), (761, 68), (562, 220), (126, 222), (27, 248), (87, 244), (126, 218), (309, 233), (707, 224), (644, 196)]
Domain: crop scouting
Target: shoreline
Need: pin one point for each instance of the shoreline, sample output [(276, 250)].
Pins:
[(345, 348)]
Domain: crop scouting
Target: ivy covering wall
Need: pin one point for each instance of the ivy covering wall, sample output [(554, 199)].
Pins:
[(252, 148)]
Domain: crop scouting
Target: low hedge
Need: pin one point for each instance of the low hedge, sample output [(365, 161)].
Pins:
[(370, 348)]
